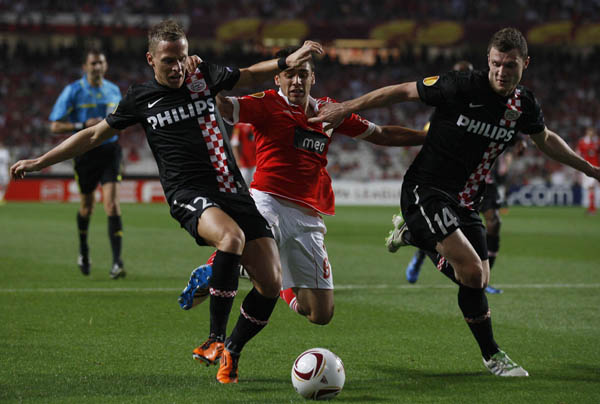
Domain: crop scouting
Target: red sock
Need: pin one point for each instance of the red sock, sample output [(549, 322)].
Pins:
[(290, 298), (592, 207), (211, 258)]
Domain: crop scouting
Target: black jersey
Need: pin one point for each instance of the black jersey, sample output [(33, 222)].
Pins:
[(185, 130), (470, 127)]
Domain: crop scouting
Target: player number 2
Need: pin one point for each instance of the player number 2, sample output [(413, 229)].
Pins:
[(449, 220)]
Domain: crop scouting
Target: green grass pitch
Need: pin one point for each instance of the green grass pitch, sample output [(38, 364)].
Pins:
[(66, 338)]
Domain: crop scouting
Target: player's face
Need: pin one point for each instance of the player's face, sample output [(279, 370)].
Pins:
[(506, 70), (296, 83), (168, 62), (95, 67)]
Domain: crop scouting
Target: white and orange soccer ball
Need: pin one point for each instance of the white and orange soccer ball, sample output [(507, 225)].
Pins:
[(318, 374)]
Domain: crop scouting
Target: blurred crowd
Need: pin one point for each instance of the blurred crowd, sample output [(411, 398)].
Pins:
[(317, 10), (565, 82)]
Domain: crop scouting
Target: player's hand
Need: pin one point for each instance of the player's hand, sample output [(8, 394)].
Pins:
[(92, 121), (303, 54), (331, 115), (191, 63), (18, 170)]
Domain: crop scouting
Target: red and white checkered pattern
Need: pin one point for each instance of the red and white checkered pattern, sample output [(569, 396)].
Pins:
[(478, 176), (222, 293), (212, 136), (252, 319), (513, 103), (494, 149), (440, 264)]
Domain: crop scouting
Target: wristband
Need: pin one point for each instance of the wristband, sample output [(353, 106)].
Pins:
[(78, 125), (281, 63)]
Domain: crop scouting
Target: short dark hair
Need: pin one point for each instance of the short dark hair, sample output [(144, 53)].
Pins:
[(166, 30), (91, 50), (508, 39), (285, 52)]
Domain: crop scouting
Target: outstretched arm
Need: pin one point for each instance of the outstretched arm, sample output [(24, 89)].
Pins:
[(334, 113), (262, 71), (75, 145), (557, 149), (396, 136)]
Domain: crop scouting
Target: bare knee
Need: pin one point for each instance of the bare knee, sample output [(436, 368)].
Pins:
[(232, 241), (320, 317), (319, 312), (112, 208), (86, 210), (269, 287), (472, 275)]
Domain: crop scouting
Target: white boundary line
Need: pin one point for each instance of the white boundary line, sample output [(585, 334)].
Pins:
[(338, 287)]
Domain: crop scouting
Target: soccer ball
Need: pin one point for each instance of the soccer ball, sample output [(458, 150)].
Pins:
[(318, 374)]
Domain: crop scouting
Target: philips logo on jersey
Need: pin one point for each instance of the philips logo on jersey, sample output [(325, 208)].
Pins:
[(310, 141), (497, 133), (181, 113)]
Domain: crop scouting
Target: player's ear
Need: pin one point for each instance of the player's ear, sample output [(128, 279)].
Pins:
[(276, 78), (526, 62), (149, 59)]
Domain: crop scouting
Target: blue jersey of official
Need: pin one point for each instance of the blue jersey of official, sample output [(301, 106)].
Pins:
[(79, 101)]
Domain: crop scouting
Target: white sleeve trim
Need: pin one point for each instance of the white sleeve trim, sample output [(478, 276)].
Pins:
[(236, 111), (366, 133)]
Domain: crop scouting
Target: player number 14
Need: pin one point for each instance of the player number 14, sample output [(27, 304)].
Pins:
[(449, 220)]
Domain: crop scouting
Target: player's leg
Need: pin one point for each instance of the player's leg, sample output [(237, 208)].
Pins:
[(115, 226), (261, 260), (592, 200), (307, 273), (84, 213), (469, 269), (87, 175), (473, 302), (492, 227), (316, 304), (436, 222)]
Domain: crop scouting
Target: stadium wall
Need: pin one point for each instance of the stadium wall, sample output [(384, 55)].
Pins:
[(375, 193)]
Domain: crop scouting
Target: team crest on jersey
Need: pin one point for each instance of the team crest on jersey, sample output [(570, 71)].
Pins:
[(429, 81), (512, 114), (197, 86), (258, 95)]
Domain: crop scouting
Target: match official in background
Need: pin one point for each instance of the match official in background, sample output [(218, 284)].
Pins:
[(82, 104)]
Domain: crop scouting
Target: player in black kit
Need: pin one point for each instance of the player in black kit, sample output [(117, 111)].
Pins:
[(477, 116), (202, 183)]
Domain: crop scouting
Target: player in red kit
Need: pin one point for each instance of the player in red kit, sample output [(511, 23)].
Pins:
[(291, 186), (244, 149), (589, 148)]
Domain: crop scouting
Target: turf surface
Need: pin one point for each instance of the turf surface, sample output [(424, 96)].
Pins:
[(66, 338)]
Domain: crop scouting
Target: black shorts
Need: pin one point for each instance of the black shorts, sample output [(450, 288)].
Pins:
[(188, 206), (491, 198), (432, 215), (102, 164)]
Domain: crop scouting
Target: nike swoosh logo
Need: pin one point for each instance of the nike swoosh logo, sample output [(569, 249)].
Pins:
[(471, 105), (151, 104)]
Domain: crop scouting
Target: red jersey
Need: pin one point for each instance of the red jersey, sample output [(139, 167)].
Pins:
[(243, 136), (589, 149), (291, 153)]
